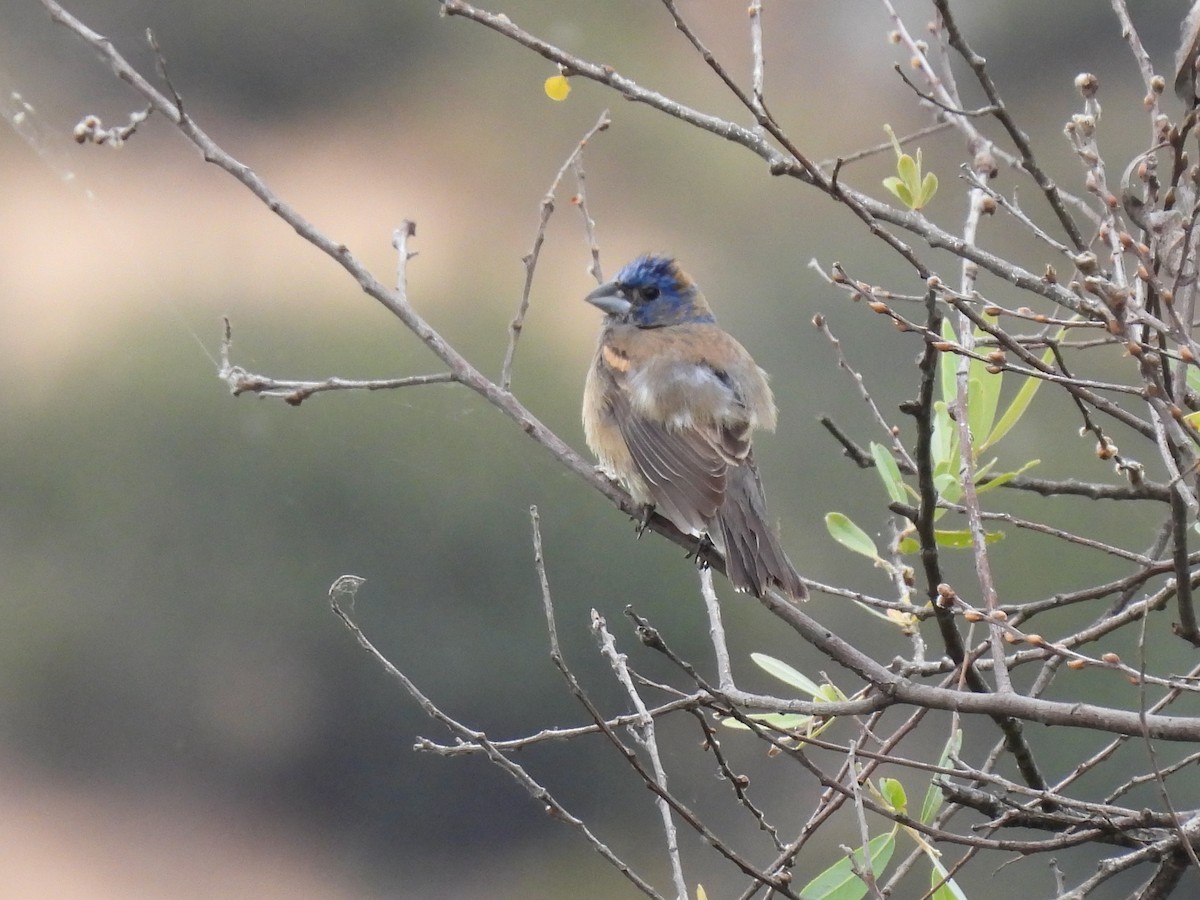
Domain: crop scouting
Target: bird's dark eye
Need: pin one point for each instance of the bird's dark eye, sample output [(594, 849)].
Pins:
[(650, 293)]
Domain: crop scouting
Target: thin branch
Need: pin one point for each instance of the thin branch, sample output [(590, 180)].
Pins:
[(530, 260), (1028, 161), (884, 146), (343, 589), (643, 731)]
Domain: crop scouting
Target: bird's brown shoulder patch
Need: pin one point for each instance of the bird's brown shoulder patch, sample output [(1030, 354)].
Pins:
[(614, 358)]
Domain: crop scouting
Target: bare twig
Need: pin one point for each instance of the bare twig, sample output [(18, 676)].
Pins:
[(337, 595), (530, 260)]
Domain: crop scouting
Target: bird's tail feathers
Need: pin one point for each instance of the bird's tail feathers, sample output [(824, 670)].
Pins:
[(754, 559)]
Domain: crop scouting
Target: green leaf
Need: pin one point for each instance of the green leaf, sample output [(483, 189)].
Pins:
[(777, 668), (830, 693), (961, 540), (700, 892), (782, 721), (849, 535), (928, 188), (839, 882), (893, 793), (1019, 404), (944, 433), (983, 396), (908, 184), (948, 366), (1193, 378), (948, 890), (933, 794), (948, 486), (889, 472), (951, 540), (900, 189), (1005, 477)]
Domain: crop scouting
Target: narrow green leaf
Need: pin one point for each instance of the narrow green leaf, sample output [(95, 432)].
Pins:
[(948, 889), (782, 721), (943, 432), (893, 792), (1005, 477), (933, 794), (948, 486), (983, 396), (929, 187), (948, 366), (849, 535), (1019, 404), (839, 882), (900, 189), (777, 668), (700, 892), (961, 540), (909, 172), (889, 472), (831, 693), (910, 545)]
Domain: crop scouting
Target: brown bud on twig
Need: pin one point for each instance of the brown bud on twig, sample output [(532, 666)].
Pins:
[(972, 615), (1077, 664), (1111, 658), (878, 306), (992, 310)]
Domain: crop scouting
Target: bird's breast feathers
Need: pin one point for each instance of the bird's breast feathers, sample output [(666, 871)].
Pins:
[(688, 376)]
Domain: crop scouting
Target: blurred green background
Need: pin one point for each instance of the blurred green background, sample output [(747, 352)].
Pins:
[(180, 714)]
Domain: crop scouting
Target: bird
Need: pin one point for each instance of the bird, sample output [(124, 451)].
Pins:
[(670, 405)]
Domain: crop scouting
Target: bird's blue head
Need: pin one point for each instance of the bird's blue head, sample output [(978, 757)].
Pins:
[(650, 292)]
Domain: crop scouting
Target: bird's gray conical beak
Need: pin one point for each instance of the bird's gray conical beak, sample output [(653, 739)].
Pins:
[(610, 297)]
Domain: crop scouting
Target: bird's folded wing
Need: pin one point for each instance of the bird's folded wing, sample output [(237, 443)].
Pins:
[(684, 469)]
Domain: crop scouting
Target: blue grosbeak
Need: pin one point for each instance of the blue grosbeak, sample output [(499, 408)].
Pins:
[(669, 407)]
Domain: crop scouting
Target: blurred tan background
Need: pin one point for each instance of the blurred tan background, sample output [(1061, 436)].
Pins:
[(180, 714)]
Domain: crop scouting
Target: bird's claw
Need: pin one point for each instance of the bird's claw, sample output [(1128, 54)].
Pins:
[(643, 519), (700, 555)]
